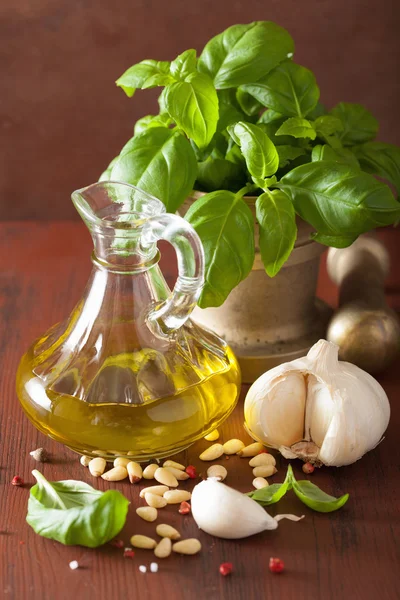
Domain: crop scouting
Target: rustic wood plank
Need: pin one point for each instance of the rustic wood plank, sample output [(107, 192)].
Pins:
[(349, 554)]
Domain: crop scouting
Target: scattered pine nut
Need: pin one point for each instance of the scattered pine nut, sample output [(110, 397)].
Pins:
[(148, 472), (153, 567), (251, 450), (264, 471), (189, 546), (262, 459), (158, 490), (233, 446), (260, 482), (142, 568), (74, 565), (120, 461), (180, 475), (115, 474), (85, 460), (163, 548), (142, 541), (174, 465), (213, 436), (97, 466), (212, 453), (177, 496), (155, 501), (217, 471), (165, 477), (135, 472), (147, 513), (40, 455), (164, 530)]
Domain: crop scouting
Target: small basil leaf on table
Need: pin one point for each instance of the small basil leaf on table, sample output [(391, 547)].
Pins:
[(146, 74), (184, 64), (244, 53), (272, 493), (260, 153), (298, 128), (288, 153), (341, 155), (193, 105), (278, 231), (313, 497), (225, 225), (289, 89), (359, 125), (163, 120), (338, 200), (220, 174), (72, 512), (159, 161), (380, 159)]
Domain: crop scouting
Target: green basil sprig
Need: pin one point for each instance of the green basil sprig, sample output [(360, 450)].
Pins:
[(72, 512), (309, 493)]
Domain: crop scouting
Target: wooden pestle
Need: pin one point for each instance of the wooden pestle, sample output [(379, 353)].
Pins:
[(365, 328)]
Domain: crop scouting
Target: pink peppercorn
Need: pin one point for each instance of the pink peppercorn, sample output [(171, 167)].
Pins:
[(226, 569), (17, 480), (276, 565), (308, 468)]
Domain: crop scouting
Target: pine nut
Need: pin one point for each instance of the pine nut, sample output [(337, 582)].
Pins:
[(115, 474), (158, 490), (148, 472), (212, 453), (260, 482), (142, 541), (233, 446), (134, 471), (213, 436), (180, 475), (165, 477), (262, 459), (97, 466), (264, 471), (177, 496), (85, 460), (154, 500), (251, 450), (147, 513), (120, 461), (217, 471), (164, 530), (189, 546), (174, 465), (163, 548)]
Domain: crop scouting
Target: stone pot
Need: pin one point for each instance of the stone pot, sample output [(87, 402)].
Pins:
[(267, 321)]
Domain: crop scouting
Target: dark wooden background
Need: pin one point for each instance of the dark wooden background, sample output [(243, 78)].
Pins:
[(62, 119)]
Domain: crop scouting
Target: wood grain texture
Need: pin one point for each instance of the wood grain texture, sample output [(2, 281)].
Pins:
[(353, 553)]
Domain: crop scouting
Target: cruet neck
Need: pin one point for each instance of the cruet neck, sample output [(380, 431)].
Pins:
[(116, 215)]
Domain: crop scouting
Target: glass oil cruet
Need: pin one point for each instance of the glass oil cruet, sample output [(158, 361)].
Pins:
[(128, 373)]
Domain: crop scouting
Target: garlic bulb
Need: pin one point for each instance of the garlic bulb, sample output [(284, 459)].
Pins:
[(318, 408), (226, 513)]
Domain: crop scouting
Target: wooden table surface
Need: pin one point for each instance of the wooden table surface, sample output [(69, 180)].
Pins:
[(350, 554)]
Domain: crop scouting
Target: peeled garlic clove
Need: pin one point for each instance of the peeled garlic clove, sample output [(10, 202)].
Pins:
[(226, 513)]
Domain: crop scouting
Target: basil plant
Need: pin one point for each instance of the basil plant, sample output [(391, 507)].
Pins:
[(244, 119)]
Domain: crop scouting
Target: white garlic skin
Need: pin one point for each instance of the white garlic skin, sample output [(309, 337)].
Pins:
[(340, 407), (226, 513)]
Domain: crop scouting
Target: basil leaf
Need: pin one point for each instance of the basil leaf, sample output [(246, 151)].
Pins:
[(161, 162), (272, 493), (298, 128), (163, 120), (289, 89), (229, 109), (358, 123), (317, 111), (277, 221), (288, 153), (105, 176), (338, 200), (193, 105), (244, 53), (220, 174), (146, 74), (184, 64), (328, 125), (380, 159), (336, 241), (313, 497), (225, 225), (249, 105), (269, 116), (72, 512), (259, 152), (271, 128), (341, 155)]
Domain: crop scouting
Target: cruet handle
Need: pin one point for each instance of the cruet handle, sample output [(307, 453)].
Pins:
[(175, 310)]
